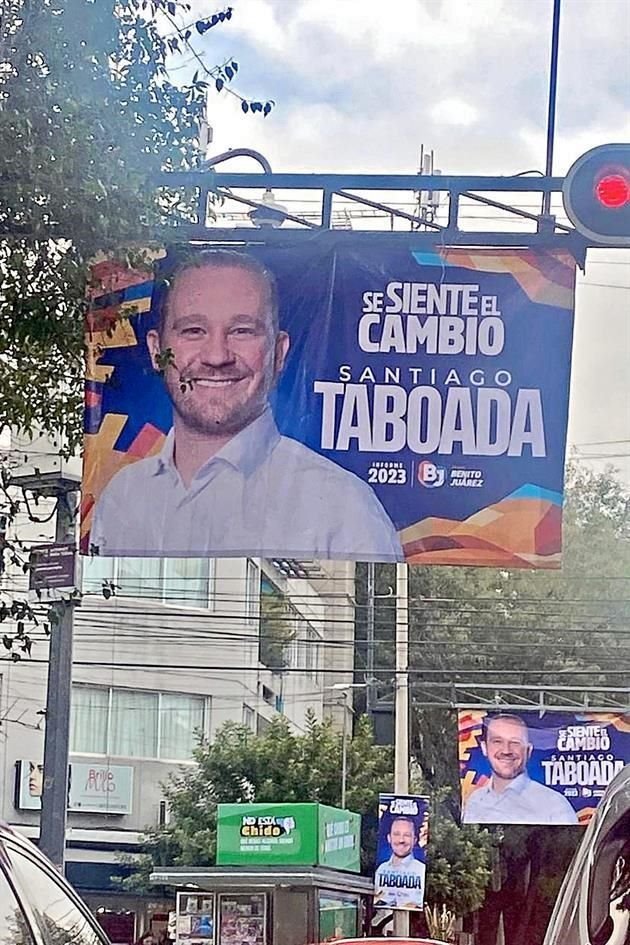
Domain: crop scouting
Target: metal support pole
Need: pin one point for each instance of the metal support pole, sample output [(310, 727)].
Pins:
[(52, 839), (344, 752), (551, 113), (370, 693), (401, 740)]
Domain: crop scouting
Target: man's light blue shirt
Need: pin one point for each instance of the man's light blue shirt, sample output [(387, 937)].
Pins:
[(522, 802), (262, 494), (388, 894)]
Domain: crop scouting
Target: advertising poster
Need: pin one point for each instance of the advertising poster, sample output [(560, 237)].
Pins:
[(318, 402), (195, 919), (339, 839), (242, 920), (401, 859), (266, 834), (92, 788), (530, 767)]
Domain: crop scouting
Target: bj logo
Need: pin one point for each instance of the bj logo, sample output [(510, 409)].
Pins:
[(430, 475)]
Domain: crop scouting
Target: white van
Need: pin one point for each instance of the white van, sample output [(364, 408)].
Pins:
[(593, 907)]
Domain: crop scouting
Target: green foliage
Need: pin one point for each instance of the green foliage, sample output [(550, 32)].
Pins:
[(281, 766), (88, 118), (459, 863)]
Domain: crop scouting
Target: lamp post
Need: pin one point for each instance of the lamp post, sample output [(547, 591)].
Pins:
[(345, 688)]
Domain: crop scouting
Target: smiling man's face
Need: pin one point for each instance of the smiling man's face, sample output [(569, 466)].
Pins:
[(226, 354), (507, 748), (402, 838)]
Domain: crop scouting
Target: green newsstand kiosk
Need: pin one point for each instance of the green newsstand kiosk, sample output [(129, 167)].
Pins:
[(286, 874)]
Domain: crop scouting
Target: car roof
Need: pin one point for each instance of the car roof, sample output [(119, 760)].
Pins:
[(387, 941)]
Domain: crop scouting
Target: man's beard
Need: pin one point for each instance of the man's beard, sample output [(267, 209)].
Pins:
[(216, 416)]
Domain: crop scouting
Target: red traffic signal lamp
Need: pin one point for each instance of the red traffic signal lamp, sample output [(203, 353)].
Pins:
[(596, 194)]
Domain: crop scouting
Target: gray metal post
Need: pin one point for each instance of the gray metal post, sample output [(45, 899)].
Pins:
[(52, 839), (370, 694)]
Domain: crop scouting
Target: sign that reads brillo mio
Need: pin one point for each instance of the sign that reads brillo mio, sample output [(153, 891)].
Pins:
[(309, 402), (533, 768), (92, 787)]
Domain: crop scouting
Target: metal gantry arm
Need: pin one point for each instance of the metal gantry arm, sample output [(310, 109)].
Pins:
[(483, 696), (371, 190)]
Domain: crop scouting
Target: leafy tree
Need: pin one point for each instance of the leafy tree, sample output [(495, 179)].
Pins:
[(89, 117), (281, 766)]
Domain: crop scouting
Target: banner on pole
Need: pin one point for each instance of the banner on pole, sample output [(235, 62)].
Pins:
[(308, 402), (401, 860), (529, 767)]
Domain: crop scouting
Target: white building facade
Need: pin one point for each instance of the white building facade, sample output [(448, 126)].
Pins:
[(176, 648)]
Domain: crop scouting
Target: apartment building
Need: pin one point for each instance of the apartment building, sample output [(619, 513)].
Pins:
[(164, 650)]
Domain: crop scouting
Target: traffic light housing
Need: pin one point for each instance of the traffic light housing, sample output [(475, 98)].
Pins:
[(596, 194)]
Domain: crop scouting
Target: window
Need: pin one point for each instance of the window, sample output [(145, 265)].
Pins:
[(249, 718), (277, 626), (311, 644), (135, 723), (14, 929), (181, 581), (59, 916), (252, 592)]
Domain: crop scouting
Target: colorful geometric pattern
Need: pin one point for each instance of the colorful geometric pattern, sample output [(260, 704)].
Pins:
[(116, 292), (545, 277), (529, 519)]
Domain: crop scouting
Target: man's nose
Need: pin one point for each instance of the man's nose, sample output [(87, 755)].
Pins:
[(215, 350)]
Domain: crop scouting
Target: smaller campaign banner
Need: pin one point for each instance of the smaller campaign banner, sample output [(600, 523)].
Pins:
[(401, 859), (532, 767)]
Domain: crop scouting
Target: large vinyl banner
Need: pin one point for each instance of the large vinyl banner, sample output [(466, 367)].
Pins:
[(533, 768), (310, 402)]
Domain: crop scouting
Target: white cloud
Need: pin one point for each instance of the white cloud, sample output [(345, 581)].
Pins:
[(454, 111)]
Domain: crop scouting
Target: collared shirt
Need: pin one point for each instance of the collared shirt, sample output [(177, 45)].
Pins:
[(522, 802), (262, 494), (400, 882)]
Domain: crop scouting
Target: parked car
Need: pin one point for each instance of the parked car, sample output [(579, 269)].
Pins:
[(37, 906), (593, 907)]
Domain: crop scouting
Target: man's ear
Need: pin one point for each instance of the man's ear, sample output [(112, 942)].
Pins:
[(484, 749), (153, 344), (530, 749), (282, 345)]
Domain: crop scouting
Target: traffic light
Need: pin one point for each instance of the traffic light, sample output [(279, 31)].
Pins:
[(596, 194)]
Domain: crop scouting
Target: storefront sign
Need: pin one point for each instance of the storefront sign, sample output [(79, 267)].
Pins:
[(93, 788)]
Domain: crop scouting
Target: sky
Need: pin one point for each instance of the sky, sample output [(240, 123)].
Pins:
[(359, 85)]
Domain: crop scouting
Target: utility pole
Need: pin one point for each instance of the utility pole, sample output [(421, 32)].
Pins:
[(370, 694), (401, 739), (344, 751), (52, 836), (551, 110)]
